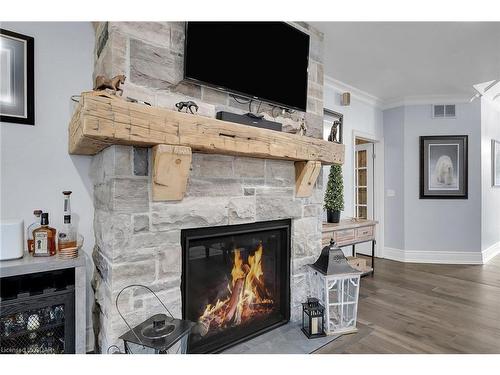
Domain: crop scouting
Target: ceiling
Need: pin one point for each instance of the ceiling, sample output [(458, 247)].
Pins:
[(402, 60)]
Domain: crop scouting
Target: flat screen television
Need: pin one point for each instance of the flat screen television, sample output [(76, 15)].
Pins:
[(261, 60)]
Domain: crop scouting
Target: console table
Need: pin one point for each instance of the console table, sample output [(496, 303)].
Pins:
[(350, 232)]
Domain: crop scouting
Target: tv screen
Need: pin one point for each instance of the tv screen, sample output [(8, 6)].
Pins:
[(261, 60)]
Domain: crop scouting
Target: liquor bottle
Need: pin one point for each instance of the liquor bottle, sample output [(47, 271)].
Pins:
[(31, 228), (44, 238), (67, 235)]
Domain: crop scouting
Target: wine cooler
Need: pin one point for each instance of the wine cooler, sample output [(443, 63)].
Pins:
[(37, 313)]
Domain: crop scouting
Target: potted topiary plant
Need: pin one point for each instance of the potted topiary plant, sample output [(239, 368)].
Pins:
[(334, 196)]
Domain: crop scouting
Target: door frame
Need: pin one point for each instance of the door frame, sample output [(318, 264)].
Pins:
[(378, 186)]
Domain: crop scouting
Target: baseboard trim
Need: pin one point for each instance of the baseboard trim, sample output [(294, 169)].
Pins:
[(491, 252), (394, 254), (437, 257)]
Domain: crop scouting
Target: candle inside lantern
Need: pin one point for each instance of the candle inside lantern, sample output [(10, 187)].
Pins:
[(314, 326)]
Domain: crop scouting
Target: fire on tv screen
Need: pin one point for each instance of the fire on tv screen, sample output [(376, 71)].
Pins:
[(261, 60)]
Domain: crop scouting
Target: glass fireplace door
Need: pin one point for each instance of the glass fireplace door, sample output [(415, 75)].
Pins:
[(235, 282)]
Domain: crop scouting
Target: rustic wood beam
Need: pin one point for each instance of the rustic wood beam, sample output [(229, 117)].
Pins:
[(306, 174), (171, 165), (99, 122)]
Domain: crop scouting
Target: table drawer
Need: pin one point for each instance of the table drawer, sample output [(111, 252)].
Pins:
[(364, 233), (345, 235)]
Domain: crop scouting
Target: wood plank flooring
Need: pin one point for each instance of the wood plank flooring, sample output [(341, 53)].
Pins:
[(426, 308)]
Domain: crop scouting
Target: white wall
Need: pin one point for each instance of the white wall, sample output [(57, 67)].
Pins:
[(35, 164), (442, 224), (361, 116), (490, 129), (430, 230), (394, 177)]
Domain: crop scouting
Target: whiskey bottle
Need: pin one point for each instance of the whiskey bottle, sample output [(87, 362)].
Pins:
[(67, 235), (44, 238), (31, 228)]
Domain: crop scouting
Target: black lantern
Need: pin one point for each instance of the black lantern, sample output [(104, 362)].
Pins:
[(160, 334), (313, 322)]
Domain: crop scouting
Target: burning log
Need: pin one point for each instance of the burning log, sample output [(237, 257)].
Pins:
[(210, 315), (234, 300), (261, 288), (201, 328), (236, 295)]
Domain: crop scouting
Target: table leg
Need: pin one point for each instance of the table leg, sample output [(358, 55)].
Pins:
[(354, 251), (373, 256)]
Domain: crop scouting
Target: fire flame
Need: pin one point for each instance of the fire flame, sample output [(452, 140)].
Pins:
[(247, 296)]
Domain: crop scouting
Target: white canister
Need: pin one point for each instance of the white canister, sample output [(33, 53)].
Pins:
[(11, 239)]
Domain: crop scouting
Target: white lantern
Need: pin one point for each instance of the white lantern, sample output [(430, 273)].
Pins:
[(336, 284)]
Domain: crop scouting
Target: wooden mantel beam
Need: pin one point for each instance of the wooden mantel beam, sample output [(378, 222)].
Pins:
[(100, 122)]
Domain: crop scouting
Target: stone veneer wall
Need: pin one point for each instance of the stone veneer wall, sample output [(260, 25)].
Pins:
[(151, 55), (137, 240)]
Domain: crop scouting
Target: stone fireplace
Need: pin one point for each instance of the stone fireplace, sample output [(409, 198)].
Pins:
[(140, 241)]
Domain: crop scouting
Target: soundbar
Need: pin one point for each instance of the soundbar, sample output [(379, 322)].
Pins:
[(250, 120)]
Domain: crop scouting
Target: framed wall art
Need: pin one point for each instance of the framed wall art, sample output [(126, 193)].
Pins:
[(17, 99), (444, 167), (495, 163)]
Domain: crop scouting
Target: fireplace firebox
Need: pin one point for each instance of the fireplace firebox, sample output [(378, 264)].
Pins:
[(235, 282)]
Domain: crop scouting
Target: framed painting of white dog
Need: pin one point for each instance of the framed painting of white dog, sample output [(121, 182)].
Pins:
[(443, 167), (495, 162)]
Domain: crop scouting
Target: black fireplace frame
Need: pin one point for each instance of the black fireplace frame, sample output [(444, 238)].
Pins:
[(206, 232)]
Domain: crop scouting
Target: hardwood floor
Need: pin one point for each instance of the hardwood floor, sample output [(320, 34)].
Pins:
[(426, 308)]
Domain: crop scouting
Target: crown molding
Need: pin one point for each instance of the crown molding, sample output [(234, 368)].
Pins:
[(489, 92), (355, 92), (424, 100), (395, 102)]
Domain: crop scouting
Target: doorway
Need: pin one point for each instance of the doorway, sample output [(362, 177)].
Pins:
[(364, 184)]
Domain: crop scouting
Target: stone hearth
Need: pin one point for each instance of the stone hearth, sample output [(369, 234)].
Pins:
[(138, 240)]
